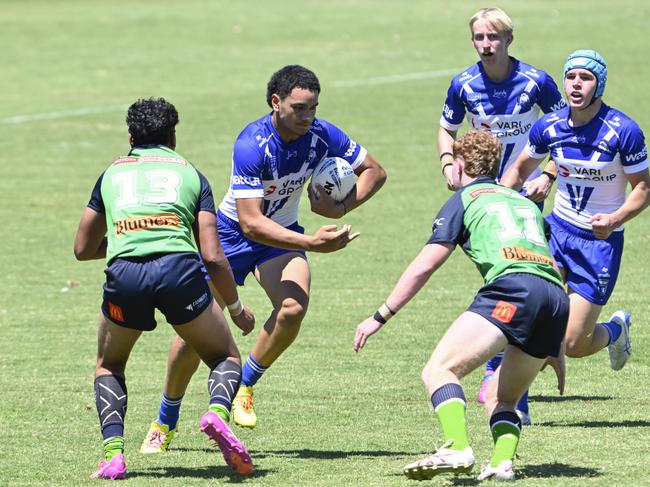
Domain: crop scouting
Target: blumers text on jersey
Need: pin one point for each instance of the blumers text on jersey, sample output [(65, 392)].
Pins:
[(508, 109), (500, 230), (264, 166), (150, 198), (592, 161)]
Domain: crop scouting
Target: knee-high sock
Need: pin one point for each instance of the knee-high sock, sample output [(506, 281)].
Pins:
[(111, 401), (449, 404), (222, 385)]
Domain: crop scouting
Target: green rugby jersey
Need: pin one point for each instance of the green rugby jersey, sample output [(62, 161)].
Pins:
[(499, 229), (151, 198)]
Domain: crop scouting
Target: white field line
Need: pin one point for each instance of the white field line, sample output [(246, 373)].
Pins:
[(396, 78), (80, 112), (77, 112)]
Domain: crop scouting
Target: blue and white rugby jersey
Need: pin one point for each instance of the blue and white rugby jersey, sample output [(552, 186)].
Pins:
[(508, 109), (592, 161), (264, 166)]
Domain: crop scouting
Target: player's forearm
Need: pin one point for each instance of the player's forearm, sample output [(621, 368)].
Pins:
[(637, 201), (370, 181), (417, 274), (222, 278), (267, 232), (446, 140), (88, 253)]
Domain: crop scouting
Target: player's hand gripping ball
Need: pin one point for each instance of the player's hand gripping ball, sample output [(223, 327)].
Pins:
[(336, 177)]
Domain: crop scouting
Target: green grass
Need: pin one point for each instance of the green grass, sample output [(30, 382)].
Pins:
[(327, 416)]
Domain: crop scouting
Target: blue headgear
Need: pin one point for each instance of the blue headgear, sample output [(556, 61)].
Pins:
[(591, 61)]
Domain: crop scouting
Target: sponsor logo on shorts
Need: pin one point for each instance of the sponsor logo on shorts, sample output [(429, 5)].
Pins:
[(504, 311), (115, 312), (146, 222), (197, 303), (522, 253)]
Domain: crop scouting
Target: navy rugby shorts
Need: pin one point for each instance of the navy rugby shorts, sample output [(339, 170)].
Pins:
[(173, 283), (530, 311)]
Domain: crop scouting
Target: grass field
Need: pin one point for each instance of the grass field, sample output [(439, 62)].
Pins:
[(328, 417)]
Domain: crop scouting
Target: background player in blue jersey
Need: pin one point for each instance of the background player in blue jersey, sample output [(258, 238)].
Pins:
[(503, 95), (273, 159), (598, 151), (145, 214)]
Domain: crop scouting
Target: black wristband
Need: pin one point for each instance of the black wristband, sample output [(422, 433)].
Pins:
[(379, 318), (551, 176), (445, 167), (446, 154), (389, 309)]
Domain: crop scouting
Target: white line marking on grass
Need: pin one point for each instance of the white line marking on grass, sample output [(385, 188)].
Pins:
[(396, 78), (78, 112), (379, 80)]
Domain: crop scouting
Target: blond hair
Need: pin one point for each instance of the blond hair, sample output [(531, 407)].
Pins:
[(494, 16), (481, 153)]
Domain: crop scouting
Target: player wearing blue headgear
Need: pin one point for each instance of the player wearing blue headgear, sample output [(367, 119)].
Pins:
[(503, 95), (598, 151)]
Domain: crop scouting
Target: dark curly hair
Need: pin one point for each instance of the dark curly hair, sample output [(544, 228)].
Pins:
[(288, 78), (151, 121)]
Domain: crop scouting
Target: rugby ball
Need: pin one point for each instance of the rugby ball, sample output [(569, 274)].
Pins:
[(336, 177)]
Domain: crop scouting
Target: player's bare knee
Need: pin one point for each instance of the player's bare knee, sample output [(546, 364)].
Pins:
[(292, 312)]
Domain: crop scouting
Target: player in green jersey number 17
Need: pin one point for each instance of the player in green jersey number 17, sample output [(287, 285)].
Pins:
[(521, 308)]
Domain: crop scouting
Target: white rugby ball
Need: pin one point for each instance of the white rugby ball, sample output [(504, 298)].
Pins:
[(336, 176)]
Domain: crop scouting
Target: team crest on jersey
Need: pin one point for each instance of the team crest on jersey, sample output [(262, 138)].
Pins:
[(473, 99), (603, 146), (524, 98), (579, 139), (311, 156)]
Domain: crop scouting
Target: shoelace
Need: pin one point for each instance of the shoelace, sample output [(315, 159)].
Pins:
[(246, 403), (156, 438), (446, 444)]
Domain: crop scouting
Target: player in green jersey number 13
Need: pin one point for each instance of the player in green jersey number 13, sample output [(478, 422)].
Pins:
[(147, 213), (521, 308)]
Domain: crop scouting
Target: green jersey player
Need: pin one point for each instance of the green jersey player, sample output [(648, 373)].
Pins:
[(522, 307), (147, 213)]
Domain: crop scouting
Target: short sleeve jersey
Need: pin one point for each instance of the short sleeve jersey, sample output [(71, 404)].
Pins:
[(151, 198), (500, 230), (592, 161), (508, 109), (264, 166)]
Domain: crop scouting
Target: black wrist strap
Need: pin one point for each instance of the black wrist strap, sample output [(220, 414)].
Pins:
[(551, 176)]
